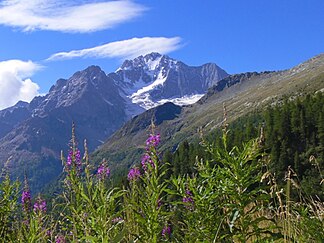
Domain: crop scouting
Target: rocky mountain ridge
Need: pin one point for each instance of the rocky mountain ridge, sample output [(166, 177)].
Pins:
[(241, 93), (33, 134), (155, 79)]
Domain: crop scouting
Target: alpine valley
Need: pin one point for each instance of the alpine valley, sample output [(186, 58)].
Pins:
[(113, 112), (33, 134), (241, 94)]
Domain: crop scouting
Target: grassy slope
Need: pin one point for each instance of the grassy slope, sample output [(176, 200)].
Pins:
[(124, 148)]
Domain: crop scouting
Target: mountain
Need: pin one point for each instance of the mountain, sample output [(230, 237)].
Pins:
[(33, 134), (39, 130), (241, 93), (155, 79), (12, 116)]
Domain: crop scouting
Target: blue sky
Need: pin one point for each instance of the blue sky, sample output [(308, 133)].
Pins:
[(44, 40)]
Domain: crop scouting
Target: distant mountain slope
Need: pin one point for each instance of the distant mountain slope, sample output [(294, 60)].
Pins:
[(11, 117), (240, 93), (90, 98), (33, 134)]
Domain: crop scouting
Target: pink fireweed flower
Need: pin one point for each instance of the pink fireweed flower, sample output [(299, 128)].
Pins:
[(103, 171), (159, 203), (74, 159), (77, 156), (117, 220), (133, 174), (153, 140), (60, 239), (188, 200), (40, 206), (69, 158), (26, 200), (188, 192), (166, 231), (146, 159), (26, 197)]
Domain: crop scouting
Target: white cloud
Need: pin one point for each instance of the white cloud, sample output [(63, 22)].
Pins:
[(67, 15), (15, 84), (124, 49)]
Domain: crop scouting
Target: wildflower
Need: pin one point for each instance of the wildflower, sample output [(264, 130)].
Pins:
[(146, 159), (116, 220), (69, 158), (188, 192), (40, 206), (150, 154), (26, 197), (166, 231), (153, 140), (74, 159), (103, 171), (26, 222), (133, 174), (77, 156), (159, 203), (60, 239), (188, 200)]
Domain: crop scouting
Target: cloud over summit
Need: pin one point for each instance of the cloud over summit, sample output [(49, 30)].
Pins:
[(123, 49)]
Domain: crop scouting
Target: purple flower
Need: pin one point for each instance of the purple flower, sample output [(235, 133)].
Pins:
[(60, 239), (103, 171), (146, 159), (151, 143), (133, 174), (26, 197), (116, 220), (69, 158), (159, 203), (153, 140), (100, 170), (188, 192), (188, 200), (26, 222), (40, 206), (77, 157), (166, 231), (74, 159)]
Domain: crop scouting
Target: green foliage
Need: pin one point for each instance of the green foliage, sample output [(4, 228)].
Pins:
[(227, 196), (294, 131), (145, 201), (8, 206), (88, 205), (221, 190)]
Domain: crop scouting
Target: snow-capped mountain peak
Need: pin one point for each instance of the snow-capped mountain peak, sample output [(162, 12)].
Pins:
[(153, 79), (150, 62)]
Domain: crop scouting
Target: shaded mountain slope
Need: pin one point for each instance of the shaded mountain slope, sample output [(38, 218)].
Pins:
[(240, 93)]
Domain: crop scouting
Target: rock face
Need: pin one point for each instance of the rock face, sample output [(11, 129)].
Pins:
[(240, 93), (155, 79), (33, 134), (12, 116)]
